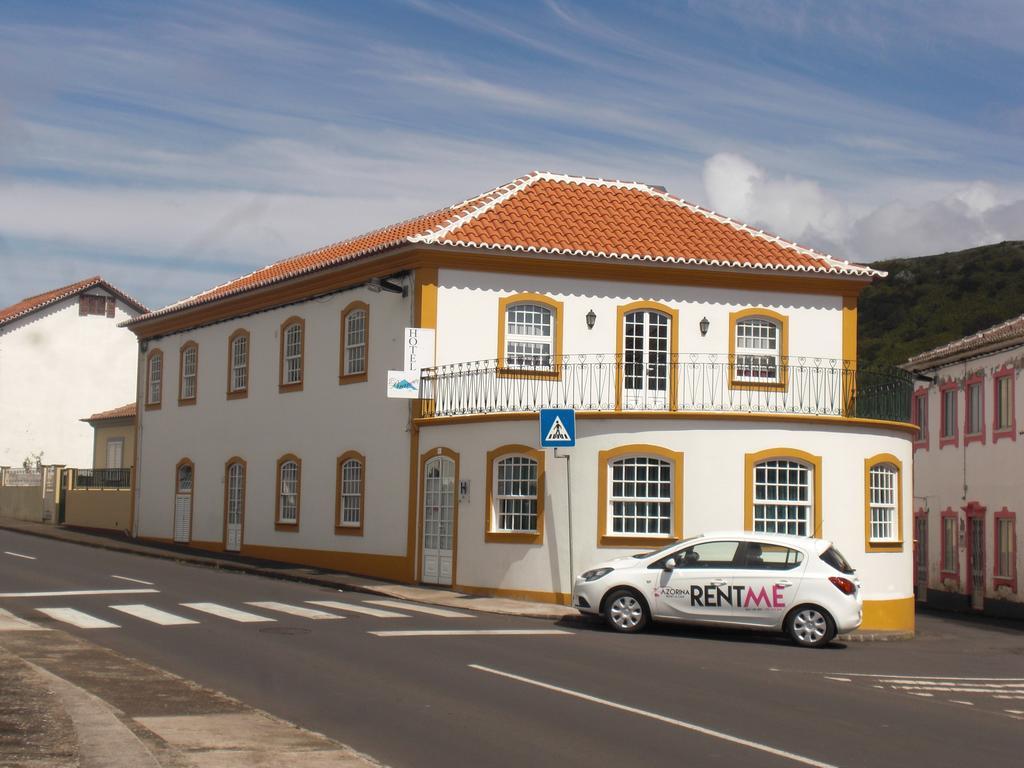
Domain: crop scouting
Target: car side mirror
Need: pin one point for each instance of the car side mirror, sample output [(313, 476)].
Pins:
[(670, 564)]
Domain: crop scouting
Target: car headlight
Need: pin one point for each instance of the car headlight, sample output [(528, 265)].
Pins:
[(597, 573)]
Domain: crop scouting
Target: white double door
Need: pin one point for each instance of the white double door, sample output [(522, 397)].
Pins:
[(439, 483), (645, 374)]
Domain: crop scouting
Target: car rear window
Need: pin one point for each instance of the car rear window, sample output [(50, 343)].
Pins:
[(835, 558)]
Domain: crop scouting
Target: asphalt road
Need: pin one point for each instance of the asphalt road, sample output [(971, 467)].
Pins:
[(582, 697)]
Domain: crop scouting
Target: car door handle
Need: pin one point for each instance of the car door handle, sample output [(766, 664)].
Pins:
[(784, 583), (718, 582)]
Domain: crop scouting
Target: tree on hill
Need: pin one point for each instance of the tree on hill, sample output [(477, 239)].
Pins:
[(931, 300)]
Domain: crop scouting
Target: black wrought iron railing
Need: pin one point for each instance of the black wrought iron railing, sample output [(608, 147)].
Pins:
[(101, 478), (687, 383)]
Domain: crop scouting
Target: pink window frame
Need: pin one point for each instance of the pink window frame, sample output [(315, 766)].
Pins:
[(1010, 432), (920, 400), (953, 439), (978, 378), (949, 512), (1003, 581)]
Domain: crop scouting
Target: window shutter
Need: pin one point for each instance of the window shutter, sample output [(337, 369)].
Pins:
[(82, 308), (111, 302)]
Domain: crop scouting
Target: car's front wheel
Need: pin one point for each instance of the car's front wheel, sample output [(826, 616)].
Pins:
[(810, 626), (625, 611)]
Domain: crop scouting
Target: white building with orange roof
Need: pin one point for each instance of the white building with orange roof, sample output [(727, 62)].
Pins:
[(62, 354), (967, 459), (711, 366)]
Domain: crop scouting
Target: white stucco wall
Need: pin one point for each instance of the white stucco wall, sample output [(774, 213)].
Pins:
[(713, 492), (988, 472), (57, 367), (316, 424)]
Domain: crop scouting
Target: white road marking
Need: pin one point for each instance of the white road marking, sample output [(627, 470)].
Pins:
[(77, 618), (1014, 698), (18, 554), (155, 615), (1014, 711), (660, 718), (925, 695), (129, 578), (938, 683), (466, 632), (296, 610), (919, 678), (353, 608), (77, 592), (10, 623), (958, 701), (421, 608), (840, 679), (227, 613)]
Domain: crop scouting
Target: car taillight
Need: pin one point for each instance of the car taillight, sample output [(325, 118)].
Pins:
[(845, 586)]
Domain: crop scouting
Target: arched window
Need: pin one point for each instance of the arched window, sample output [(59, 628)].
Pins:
[(530, 333), (238, 364), (355, 340), (188, 373), (883, 503), (154, 379), (289, 478), (783, 497), (350, 493), (234, 504), (292, 354)]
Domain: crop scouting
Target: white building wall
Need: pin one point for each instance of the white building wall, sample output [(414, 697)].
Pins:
[(316, 424), (986, 472), (57, 367), (713, 492), (815, 322)]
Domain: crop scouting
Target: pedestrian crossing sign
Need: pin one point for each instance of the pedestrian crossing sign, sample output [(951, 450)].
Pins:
[(557, 427)]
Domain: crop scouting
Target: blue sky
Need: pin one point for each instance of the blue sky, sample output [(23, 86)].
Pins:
[(173, 146)]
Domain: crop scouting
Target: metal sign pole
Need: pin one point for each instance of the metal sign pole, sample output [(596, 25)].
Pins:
[(568, 499)]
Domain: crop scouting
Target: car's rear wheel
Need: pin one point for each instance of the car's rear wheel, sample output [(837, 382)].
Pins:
[(810, 626), (625, 611)]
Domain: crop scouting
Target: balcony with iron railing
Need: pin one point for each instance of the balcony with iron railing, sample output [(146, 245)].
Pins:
[(662, 382), (100, 479)]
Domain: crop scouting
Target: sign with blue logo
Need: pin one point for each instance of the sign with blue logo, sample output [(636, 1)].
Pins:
[(557, 427)]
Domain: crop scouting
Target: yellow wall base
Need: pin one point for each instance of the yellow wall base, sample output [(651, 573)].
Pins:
[(889, 615), (558, 598)]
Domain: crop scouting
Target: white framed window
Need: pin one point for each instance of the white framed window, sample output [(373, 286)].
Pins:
[(351, 493), (239, 376), (640, 498), (355, 342), (783, 500), (154, 390), (758, 350), (185, 474), (115, 452), (920, 415), (515, 497), (292, 353), (529, 336), (288, 492), (882, 485), (1006, 549), (974, 396), (950, 556), (949, 417), (189, 368), (1004, 402), (236, 493)]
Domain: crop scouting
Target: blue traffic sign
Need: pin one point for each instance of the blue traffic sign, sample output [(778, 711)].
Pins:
[(557, 428)]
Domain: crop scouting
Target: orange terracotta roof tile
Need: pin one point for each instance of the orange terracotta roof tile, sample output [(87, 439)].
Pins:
[(121, 412), (1009, 333), (35, 303), (565, 215)]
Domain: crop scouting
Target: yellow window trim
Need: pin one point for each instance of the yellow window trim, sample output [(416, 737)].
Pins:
[(556, 309), (278, 525), (751, 459), (783, 323), (620, 343), (352, 378), (883, 546), (238, 394), (424, 459), (294, 386), (604, 458), (349, 530), (494, 536)]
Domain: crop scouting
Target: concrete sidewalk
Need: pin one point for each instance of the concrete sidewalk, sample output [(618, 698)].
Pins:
[(320, 577), (70, 704)]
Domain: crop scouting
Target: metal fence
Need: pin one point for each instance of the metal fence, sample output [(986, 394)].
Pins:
[(101, 478), (686, 383)]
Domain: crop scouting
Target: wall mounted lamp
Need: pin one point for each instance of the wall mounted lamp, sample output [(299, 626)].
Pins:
[(591, 319), (704, 325), (376, 285)]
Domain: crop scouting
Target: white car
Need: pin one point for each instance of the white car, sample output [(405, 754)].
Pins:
[(801, 586)]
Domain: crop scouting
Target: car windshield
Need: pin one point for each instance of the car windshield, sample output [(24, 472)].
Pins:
[(835, 558), (666, 548)]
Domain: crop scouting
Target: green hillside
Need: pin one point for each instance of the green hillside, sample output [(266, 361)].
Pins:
[(931, 300)]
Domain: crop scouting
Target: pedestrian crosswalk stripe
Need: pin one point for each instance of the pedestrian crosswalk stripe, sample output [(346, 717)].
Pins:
[(9, 623), (227, 613), (353, 608), (155, 615), (468, 632), (295, 610), (421, 609), (77, 618)]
